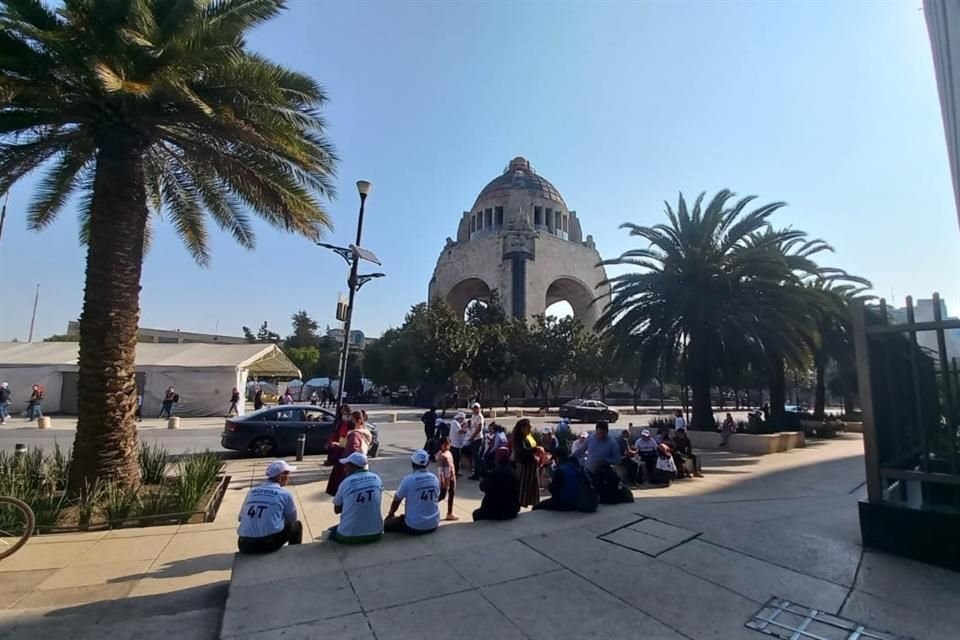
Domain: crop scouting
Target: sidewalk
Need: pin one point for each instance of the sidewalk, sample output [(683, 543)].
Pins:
[(696, 560)]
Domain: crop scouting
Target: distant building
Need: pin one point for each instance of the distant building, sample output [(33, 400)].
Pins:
[(923, 312), (943, 23), (358, 340), (170, 336)]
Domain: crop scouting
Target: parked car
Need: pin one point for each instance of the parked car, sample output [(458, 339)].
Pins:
[(588, 411), (273, 431)]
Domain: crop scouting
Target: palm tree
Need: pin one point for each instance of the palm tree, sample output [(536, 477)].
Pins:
[(147, 105), (698, 285)]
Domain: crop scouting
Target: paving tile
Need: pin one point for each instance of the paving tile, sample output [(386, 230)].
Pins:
[(349, 627), (405, 581), (752, 578), (528, 603), (499, 562), (186, 544), (663, 530), (303, 599), (143, 532), (30, 624), (78, 576), (639, 541), (932, 589), (14, 584), (289, 562), (886, 615), (74, 595), (475, 619), (177, 599), (387, 549), (45, 556), (123, 549), (201, 624), (60, 538)]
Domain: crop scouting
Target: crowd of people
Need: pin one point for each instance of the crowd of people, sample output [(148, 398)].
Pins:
[(510, 469)]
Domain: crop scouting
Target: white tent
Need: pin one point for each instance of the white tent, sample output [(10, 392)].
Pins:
[(202, 374)]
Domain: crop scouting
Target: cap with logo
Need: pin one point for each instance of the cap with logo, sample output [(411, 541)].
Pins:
[(357, 459), (277, 467), (420, 458)]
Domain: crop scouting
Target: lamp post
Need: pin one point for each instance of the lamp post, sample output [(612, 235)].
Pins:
[(352, 255)]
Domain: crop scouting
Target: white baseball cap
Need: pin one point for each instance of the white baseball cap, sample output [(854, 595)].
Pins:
[(420, 458), (645, 432), (583, 434), (475, 405), (460, 415), (277, 467), (357, 459)]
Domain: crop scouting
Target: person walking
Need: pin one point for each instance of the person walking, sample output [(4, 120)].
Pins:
[(138, 412), (170, 398), (429, 420), (4, 401), (234, 409), (314, 398), (726, 429), (478, 433), (458, 432), (506, 402), (257, 398), (679, 422), (524, 455), (35, 404)]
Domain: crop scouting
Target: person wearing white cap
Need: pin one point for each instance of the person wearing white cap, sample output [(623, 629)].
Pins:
[(478, 433), (4, 401), (458, 431), (647, 450), (421, 491), (268, 518), (358, 503)]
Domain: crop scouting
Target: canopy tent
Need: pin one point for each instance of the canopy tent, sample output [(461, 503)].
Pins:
[(203, 375)]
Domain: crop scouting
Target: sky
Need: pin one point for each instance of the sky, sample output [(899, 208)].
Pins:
[(831, 107)]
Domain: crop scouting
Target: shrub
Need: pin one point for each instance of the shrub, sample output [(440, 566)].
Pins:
[(656, 424), (118, 501), (153, 463), (155, 503), (49, 509), (197, 473), (87, 500), (60, 467)]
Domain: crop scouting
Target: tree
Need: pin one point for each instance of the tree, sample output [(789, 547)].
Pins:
[(265, 335), (491, 362), (389, 361), (442, 340), (248, 335), (304, 331), (542, 348), (61, 337), (306, 359), (696, 285), (151, 105)]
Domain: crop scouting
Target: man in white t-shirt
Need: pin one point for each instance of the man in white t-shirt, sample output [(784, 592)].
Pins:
[(679, 422), (421, 491), (268, 518), (458, 432), (478, 433), (358, 503)]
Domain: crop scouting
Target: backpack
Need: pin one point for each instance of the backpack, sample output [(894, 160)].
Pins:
[(176, 398)]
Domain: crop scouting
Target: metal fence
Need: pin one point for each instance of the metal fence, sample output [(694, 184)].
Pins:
[(910, 397)]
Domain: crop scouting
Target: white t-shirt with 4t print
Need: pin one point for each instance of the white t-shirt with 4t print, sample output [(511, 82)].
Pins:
[(421, 492), (359, 495)]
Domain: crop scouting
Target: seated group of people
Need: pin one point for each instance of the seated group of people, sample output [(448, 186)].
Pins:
[(579, 480)]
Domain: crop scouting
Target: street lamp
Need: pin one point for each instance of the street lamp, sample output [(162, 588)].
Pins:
[(352, 254)]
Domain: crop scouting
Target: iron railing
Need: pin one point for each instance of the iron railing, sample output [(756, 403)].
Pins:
[(910, 397)]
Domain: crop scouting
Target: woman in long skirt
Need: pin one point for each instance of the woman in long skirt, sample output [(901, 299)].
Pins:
[(525, 458)]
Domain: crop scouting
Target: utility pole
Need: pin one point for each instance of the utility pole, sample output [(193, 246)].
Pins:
[(33, 318)]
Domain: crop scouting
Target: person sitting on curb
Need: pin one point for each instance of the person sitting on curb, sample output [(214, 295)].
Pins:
[(666, 468), (683, 451), (570, 489), (358, 503), (647, 450), (421, 490), (268, 518), (628, 459), (501, 490)]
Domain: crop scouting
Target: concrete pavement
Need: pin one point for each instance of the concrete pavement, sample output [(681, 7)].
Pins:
[(696, 560)]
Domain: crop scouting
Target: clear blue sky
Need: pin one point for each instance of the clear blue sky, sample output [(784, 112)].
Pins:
[(830, 107)]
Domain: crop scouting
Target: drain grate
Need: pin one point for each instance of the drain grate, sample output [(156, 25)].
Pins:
[(784, 619)]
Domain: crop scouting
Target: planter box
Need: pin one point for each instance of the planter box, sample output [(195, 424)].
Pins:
[(754, 444)]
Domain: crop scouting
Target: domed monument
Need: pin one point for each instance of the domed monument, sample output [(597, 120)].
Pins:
[(520, 240)]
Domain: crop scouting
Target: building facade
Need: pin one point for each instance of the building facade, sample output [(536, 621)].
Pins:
[(169, 336), (520, 240)]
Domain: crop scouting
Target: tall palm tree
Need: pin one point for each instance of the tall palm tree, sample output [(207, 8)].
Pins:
[(144, 105), (697, 284)]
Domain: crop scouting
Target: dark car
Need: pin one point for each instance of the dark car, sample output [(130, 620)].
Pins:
[(274, 431), (588, 411)]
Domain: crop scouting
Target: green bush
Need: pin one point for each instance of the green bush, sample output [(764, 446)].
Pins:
[(59, 467), (155, 503), (118, 501), (197, 474), (87, 500), (153, 463)]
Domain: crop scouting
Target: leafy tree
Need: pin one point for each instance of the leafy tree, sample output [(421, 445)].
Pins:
[(304, 331), (248, 335), (306, 359), (264, 334), (542, 347), (61, 337), (150, 105), (491, 362), (443, 341), (390, 361), (698, 283), (329, 358)]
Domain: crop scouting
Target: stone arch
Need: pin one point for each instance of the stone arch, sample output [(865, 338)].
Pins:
[(465, 291), (579, 296)]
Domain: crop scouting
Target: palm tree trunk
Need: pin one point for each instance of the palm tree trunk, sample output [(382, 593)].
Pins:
[(778, 393), (105, 446), (699, 372), (820, 400)]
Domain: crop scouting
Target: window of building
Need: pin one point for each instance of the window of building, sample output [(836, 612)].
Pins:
[(566, 223), (538, 216), (473, 224), (556, 222), (479, 220), (499, 214), (488, 218), (549, 217)]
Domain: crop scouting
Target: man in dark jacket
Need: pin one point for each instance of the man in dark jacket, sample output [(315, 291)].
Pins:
[(501, 490), (429, 420)]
